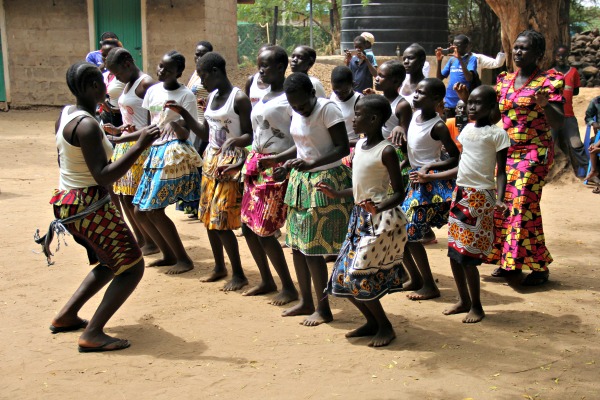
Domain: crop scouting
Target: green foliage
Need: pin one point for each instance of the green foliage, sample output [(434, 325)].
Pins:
[(289, 11), (584, 15)]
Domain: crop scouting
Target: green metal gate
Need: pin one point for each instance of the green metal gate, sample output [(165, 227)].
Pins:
[(124, 18)]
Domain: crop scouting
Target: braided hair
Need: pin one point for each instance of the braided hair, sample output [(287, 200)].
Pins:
[(118, 56), (178, 58), (538, 42), (80, 75)]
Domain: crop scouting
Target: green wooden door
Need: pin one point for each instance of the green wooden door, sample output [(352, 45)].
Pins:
[(2, 87), (124, 18)]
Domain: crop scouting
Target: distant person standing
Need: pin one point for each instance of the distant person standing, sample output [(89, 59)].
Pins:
[(461, 68), (567, 137), (369, 44), (362, 65), (95, 57)]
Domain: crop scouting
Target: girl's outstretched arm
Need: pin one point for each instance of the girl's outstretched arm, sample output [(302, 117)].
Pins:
[(339, 151), (501, 178), (440, 132)]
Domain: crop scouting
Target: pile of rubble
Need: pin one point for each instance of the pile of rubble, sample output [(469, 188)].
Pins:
[(585, 56)]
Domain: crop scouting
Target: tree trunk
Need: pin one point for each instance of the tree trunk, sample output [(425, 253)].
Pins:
[(551, 18), (337, 25)]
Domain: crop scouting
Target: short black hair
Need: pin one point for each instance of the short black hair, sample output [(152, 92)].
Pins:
[(297, 82), (178, 58), (118, 56), (312, 54), (488, 93), (108, 35), (378, 105), (211, 60), (360, 39), (419, 50), (436, 85), (396, 69), (280, 56), (538, 42), (80, 75), (462, 38), (112, 42), (342, 74), (205, 44)]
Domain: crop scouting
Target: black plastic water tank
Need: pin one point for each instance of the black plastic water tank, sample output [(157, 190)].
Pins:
[(396, 23)]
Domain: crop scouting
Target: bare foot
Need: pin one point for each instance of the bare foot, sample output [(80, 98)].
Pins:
[(236, 283), (425, 293), (409, 285), (284, 297), (368, 329), (180, 268), (318, 318), (298, 309), (148, 250), (262, 288), (162, 262), (474, 315), (384, 336), (457, 308), (215, 276)]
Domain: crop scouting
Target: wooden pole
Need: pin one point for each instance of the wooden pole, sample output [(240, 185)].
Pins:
[(275, 18)]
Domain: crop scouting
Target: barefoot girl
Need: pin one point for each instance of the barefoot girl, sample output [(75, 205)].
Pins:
[(429, 195), (471, 221), (302, 60), (135, 117), (346, 98), (228, 129), (170, 172), (82, 204), (370, 262), (316, 225), (263, 210)]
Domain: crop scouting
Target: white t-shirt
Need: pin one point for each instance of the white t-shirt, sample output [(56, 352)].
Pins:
[(319, 89), (157, 96), (311, 134), (347, 108), (477, 165), (271, 125)]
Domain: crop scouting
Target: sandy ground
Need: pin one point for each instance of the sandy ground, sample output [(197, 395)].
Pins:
[(190, 340)]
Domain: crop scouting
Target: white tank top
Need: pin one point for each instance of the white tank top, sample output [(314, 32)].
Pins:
[(422, 148), (347, 108), (370, 177), (74, 172), (223, 123), (131, 106), (257, 93), (402, 92), (393, 121)]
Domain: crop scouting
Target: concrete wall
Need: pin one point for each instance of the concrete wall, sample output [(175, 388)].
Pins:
[(43, 41)]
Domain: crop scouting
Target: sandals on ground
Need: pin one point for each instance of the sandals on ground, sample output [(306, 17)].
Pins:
[(536, 278), (503, 273)]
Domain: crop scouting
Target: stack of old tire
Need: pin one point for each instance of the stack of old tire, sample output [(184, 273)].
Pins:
[(585, 56)]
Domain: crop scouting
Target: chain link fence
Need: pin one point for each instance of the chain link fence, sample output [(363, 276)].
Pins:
[(252, 36)]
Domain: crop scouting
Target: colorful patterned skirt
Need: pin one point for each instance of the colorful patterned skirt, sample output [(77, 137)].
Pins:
[(427, 205), (519, 238), (316, 224), (370, 262), (471, 225), (263, 209), (103, 233), (221, 196), (170, 174), (127, 185)]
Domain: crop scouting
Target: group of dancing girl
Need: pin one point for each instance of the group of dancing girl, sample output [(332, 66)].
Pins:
[(361, 178)]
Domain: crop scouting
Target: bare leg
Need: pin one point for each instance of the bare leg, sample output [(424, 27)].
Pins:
[(306, 306), (318, 271), (415, 281), (593, 169), (168, 231), (385, 332), (146, 244), (370, 328), (117, 292), (220, 271), (476, 313), (267, 284), (168, 257), (238, 279), (429, 289), (464, 301), (93, 282), (275, 253)]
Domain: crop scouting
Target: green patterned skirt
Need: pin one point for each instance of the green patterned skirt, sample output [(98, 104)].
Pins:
[(316, 224)]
